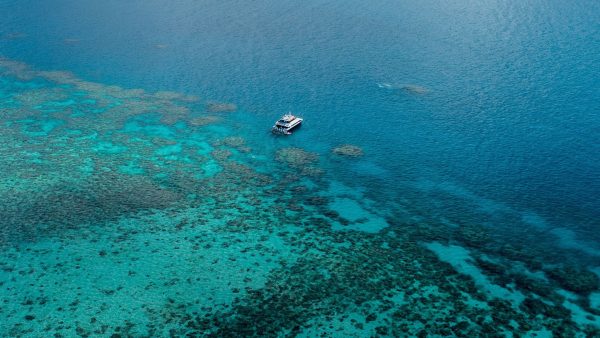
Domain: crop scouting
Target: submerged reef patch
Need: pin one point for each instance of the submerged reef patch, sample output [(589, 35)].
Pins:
[(348, 150), (580, 281), (296, 157), (299, 159), (415, 89), (409, 88), (203, 120)]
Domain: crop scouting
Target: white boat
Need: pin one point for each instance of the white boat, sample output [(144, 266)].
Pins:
[(286, 123)]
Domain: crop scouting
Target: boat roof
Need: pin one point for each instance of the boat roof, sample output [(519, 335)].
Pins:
[(287, 118)]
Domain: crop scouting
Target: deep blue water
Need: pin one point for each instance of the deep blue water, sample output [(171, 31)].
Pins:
[(513, 106), (459, 106)]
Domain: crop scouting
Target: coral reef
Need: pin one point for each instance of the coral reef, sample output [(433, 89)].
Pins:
[(231, 141), (348, 150), (415, 89), (580, 281), (219, 107), (300, 160), (296, 157), (202, 238), (203, 120)]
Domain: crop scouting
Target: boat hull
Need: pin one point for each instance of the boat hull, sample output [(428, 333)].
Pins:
[(287, 129)]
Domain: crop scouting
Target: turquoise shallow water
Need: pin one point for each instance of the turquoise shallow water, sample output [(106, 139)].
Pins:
[(445, 181)]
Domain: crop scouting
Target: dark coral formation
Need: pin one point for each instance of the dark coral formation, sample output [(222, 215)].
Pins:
[(101, 198), (415, 89), (348, 150), (203, 120), (299, 159), (580, 281)]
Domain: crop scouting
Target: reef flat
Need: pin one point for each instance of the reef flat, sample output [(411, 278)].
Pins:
[(126, 213)]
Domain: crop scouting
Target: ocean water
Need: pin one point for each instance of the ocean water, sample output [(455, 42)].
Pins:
[(445, 181)]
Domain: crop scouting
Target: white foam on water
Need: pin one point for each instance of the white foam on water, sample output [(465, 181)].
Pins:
[(385, 85)]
